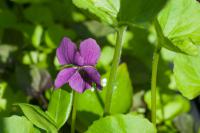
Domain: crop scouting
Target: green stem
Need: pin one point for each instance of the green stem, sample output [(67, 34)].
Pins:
[(73, 124), (118, 48), (153, 83), (162, 104)]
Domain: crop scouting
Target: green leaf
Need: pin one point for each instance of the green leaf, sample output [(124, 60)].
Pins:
[(138, 12), (38, 14), (106, 10), (6, 51), (184, 123), (122, 96), (182, 32), (33, 79), (10, 94), (9, 19), (16, 124), (91, 103), (169, 104), (37, 36), (122, 124), (98, 29), (38, 117), (114, 12), (106, 55), (60, 105), (55, 33), (187, 75)]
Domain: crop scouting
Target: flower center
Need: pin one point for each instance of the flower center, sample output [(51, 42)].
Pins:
[(84, 75)]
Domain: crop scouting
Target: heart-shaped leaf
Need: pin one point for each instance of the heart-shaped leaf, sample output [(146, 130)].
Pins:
[(187, 75), (91, 103), (106, 10), (122, 124), (38, 117), (179, 26), (60, 106), (116, 12)]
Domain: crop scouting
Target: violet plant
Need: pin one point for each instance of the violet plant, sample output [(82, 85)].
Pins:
[(94, 103), (82, 73)]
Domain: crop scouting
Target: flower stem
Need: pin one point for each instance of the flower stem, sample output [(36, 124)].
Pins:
[(73, 123), (153, 83), (118, 48)]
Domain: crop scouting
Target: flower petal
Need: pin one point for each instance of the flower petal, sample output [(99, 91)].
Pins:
[(66, 51), (64, 76), (90, 51), (78, 60), (77, 83), (93, 75)]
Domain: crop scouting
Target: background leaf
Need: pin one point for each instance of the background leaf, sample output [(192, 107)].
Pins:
[(38, 14), (9, 19), (29, 1), (138, 12), (16, 124), (169, 104), (184, 123), (55, 33)]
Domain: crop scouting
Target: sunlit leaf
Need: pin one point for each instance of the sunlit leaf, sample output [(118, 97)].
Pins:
[(182, 33), (98, 29), (129, 12), (37, 35), (38, 117), (187, 75), (106, 55), (122, 124), (16, 124), (60, 105), (106, 10), (6, 51)]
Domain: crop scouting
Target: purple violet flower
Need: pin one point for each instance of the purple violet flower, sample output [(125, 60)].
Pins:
[(82, 74)]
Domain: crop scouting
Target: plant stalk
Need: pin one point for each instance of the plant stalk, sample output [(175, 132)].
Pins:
[(153, 83), (111, 83), (73, 123)]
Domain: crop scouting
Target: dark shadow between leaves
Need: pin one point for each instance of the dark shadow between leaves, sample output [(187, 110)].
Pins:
[(85, 119)]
